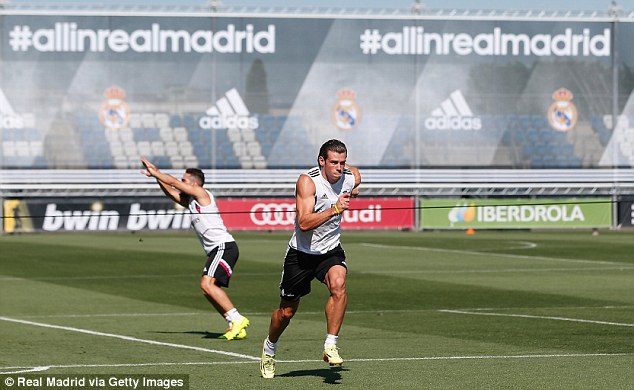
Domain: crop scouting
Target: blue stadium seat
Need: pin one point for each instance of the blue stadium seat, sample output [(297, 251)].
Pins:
[(40, 162), (527, 150), (548, 161), (162, 161), (189, 121), (139, 134), (152, 134), (194, 134), (506, 138), (536, 162), (540, 122), (176, 121)]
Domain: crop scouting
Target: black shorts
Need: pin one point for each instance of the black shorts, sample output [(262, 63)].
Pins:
[(301, 268), (221, 261)]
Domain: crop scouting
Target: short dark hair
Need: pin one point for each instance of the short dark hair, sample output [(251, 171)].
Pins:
[(332, 145), (197, 174)]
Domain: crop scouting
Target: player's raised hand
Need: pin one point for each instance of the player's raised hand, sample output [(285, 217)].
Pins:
[(343, 202), (150, 168)]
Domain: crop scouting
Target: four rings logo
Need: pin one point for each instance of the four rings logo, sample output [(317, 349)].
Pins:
[(273, 214)]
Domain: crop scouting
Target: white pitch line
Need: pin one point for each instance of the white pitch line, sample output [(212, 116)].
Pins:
[(486, 271), (548, 308), (95, 277), (492, 357), (620, 267), (490, 254), (106, 277), (523, 245), (128, 338), (22, 369), (538, 317), (96, 315), (387, 311)]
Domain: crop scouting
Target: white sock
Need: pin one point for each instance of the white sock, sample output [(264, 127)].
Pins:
[(330, 339), (234, 315), (269, 347)]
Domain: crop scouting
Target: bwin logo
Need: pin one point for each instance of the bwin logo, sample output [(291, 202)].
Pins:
[(453, 114), (229, 112)]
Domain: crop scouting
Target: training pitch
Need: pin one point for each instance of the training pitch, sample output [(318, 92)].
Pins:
[(439, 310)]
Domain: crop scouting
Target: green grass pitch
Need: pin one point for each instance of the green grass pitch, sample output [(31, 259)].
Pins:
[(440, 310)]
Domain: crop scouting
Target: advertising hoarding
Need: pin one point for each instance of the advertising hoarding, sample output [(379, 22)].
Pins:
[(135, 214), (626, 212), (494, 213)]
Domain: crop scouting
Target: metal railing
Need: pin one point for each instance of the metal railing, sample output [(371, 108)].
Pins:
[(376, 182), (218, 9)]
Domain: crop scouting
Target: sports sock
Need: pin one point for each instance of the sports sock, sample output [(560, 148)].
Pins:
[(330, 339), (234, 315), (269, 347)]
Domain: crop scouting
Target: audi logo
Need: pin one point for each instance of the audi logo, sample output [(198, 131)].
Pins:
[(273, 214)]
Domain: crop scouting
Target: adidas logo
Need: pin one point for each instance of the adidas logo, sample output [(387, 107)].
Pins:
[(453, 114), (229, 112), (324, 196), (8, 118)]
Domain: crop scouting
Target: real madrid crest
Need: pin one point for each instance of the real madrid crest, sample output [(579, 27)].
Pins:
[(114, 112), (346, 113), (562, 113)]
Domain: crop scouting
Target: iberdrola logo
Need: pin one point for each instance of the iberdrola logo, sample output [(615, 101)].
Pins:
[(462, 213), (562, 113)]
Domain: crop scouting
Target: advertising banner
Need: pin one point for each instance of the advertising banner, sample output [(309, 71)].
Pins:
[(98, 91), (516, 213), (279, 213), (626, 212), (84, 214)]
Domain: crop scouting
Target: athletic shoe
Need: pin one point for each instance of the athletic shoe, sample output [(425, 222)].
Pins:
[(267, 364), (240, 336), (331, 355), (236, 330)]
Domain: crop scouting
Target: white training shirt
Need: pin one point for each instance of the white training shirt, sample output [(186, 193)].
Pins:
[(326, 236), (208, 224)]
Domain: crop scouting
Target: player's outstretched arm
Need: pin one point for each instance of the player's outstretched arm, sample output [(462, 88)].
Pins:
[(163, 180), (174, 188)]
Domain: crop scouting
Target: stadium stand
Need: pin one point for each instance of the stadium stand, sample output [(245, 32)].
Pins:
[(537, 145), (177, 141), (23, 147), (624, 138), (507, 140), (148, 134), (269, 130), (600, 127)]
